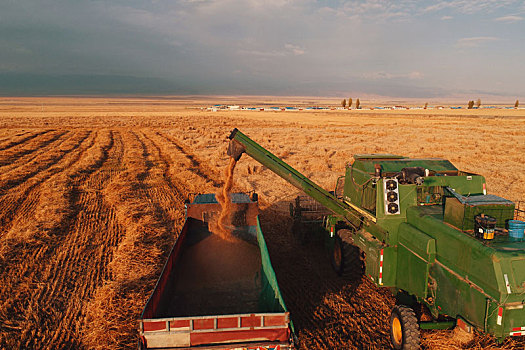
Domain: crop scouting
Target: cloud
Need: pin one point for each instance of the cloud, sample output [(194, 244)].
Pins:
[(379, 10), (405, 10), (288, 50), (508, 19), (274, 43), (475, 41), (470, 6), (415, 75), (296, 50), (380, 75), (262, 54)]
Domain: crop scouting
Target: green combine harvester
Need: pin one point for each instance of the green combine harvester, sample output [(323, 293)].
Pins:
[(426, 230)]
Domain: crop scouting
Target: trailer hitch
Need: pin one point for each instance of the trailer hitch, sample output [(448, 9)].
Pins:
[(235, 148)]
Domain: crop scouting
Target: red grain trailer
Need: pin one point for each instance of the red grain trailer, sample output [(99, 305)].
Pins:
[(217, 294)]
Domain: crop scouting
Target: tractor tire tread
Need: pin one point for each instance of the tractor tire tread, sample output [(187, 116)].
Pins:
[(353, 262), (411, 333)]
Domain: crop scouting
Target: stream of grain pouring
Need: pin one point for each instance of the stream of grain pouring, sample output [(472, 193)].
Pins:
[(224, 199)]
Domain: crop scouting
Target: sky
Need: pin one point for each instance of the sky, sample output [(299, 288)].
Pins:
[(401, 48)]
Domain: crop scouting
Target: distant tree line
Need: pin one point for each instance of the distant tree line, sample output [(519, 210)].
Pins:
[(471, 104), (350, 102)]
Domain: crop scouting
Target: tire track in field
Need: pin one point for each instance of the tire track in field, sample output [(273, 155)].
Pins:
[(69, 259), (22, 169), (137, 196), (196, 166), (23, 138), (6, 140), (18, 200), (163, 195), (21, 266), (161, 189), (84, 256), (21, 213), (24, 152)]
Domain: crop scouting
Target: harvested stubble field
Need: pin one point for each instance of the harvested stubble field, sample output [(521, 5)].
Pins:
[(92, 197)]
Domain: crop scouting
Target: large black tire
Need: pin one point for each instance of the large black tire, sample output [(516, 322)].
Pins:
[(337, 256), (404, 329), (347, 259)]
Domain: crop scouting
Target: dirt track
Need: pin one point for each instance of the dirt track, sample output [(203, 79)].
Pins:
[(92, 202)]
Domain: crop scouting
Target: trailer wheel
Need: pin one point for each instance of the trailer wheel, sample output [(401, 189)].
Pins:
[(142, 343), (404, 330)]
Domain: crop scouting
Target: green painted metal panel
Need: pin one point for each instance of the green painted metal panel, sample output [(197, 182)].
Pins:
[(271, 296), (395, 165), (461, 214), (372, 249), (455, 297), (518, 273), (377, 156), (455, 249), (437, 325), (418, 242), (389, 266), (445, 291), (416, 251), (463, 184), (513, 319), (358, 189)]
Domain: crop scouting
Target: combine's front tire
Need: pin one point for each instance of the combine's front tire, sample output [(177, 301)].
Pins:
[(404, 329), (347, 259), (338, 256)]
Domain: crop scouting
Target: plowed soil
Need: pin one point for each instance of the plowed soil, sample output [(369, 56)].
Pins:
[(92, 198)]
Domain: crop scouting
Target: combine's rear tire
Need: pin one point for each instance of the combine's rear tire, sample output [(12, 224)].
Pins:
[(404, 330)]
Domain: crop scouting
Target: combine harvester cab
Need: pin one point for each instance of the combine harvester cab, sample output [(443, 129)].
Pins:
[(427, 231), (214, 293)]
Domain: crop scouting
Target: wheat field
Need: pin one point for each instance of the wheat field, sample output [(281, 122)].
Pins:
[(92, 197)]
